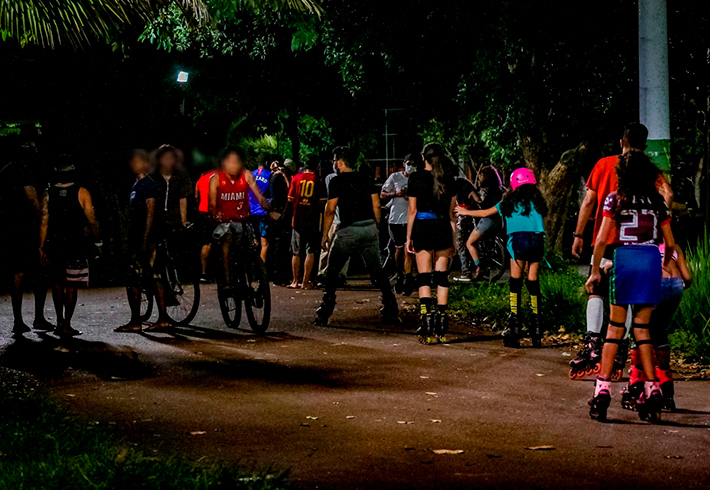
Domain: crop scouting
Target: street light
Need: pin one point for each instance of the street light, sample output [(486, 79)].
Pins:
[(182, 76)]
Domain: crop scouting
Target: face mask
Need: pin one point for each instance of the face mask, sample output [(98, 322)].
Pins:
[(408, 169)]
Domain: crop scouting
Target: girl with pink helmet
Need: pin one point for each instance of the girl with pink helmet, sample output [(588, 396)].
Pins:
[(524, 210)]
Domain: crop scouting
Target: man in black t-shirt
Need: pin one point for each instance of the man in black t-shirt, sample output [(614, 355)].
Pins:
[(358, 204)]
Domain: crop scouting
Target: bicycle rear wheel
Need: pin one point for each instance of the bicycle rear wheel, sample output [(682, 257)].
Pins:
[(257, 297), (146, 304), (231, 307), (493, 255)]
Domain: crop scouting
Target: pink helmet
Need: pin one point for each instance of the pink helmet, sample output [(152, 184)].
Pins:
[(522, 176)]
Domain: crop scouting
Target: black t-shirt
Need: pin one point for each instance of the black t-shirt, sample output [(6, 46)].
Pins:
[(490, 196), (421, 186), (168, 193), (354, 193), (141, 191), (464, 187)]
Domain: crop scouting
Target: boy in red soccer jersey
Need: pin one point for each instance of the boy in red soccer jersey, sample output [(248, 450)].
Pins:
[(307, 196)]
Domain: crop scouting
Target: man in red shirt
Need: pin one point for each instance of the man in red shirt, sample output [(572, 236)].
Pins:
[(307, 196), (229, 202), (603, 181), (206, 225)]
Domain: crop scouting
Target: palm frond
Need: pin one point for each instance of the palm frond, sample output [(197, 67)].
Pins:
[(50, 23)]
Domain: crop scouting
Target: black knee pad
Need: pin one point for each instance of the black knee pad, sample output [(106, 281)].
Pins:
[(441, 279), (424, 279), (516, 284)]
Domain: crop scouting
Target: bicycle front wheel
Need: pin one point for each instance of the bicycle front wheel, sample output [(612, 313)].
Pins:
[(495, 257), (182, 293), (230, 306), (257, 297)]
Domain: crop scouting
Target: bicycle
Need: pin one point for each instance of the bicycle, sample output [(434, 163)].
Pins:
[(178, 266), (249, 283), (493, 254)]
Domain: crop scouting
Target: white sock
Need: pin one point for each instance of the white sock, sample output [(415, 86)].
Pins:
[(595, 315)]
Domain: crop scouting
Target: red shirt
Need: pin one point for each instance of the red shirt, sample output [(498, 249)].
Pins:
[(232, 197), (202, 191), (306, 193)]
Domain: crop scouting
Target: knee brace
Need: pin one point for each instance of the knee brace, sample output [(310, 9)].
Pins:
[(441, 279), (621, 325), (424, 279)]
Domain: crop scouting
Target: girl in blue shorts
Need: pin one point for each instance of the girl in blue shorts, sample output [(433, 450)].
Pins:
[(524, 209), (639, 220)]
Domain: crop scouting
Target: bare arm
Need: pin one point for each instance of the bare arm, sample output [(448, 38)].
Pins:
[(585, 212), (330, 207), (411, 216), (668, 240), (683, 266), (149, 216), (31, 196), (476, 213), (44, 220), (212, 203), (376, 208), (89, 212), (665, 190), (600, 243), (183, 210)]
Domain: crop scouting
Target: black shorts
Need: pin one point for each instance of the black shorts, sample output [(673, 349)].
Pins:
[(398, 234), (305, 240), (526, 246), (432, 235), (205, 227)]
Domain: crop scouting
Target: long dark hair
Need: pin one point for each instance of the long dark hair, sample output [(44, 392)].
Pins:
[(637, 183), (524, 198), (441, 167)]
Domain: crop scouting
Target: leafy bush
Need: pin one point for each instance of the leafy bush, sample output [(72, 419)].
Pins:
[(563, 300), (42, 448), (692, 321)]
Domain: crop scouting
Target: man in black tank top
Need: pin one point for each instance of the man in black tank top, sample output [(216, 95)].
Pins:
[(67, 212)]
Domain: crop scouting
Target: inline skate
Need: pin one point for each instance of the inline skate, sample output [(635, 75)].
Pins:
[(599, 405), (588, 360), (511, 335), (441, 326), (650, 403)]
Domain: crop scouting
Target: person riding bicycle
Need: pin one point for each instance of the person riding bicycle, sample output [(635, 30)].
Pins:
[(229, 202), (488, 194)]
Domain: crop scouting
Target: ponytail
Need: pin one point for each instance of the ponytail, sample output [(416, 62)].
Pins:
[(434, 155)]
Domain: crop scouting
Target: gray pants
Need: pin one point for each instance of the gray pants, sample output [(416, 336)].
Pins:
[(464, 227), (358, 238), (325, 254)]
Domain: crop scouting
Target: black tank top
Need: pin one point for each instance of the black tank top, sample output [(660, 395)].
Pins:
[(67, 221)]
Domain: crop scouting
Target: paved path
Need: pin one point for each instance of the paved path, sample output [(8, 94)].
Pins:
[(356, 405)]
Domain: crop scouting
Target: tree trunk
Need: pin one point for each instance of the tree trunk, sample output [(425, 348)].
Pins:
[(560, 186)]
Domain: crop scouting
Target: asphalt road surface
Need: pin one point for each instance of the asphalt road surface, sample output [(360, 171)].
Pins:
[(356, 404)]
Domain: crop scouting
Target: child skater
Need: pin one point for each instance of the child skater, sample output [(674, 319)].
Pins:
[(635, 213), (523, 209), (676, 277)]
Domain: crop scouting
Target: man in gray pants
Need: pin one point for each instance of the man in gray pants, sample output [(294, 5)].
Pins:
[(358, 204)]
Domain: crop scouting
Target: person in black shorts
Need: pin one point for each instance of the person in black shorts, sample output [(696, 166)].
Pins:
[(20, 187), (67, 213), (430, 235), (141, 212), (358, 202)]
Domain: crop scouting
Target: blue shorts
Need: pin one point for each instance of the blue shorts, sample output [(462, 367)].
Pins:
[(526, 246), (636, 276), (262, 225)]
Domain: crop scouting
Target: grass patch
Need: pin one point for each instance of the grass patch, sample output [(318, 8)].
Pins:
[(41, 447), (692, 321), (563, 300)]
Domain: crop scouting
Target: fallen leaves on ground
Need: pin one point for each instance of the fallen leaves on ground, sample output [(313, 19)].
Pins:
[(447, 451)]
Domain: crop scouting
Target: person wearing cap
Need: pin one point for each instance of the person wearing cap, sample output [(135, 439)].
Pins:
[(524, 209), (67, 213)]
